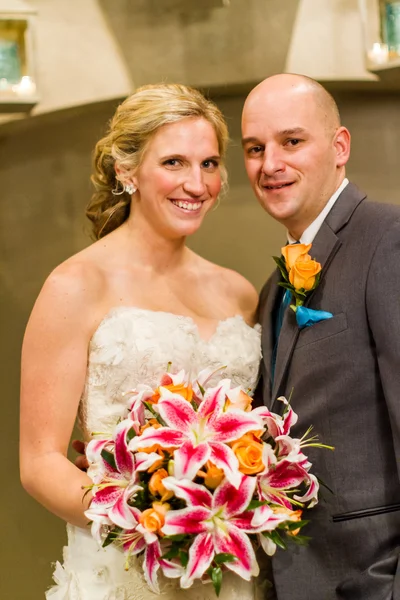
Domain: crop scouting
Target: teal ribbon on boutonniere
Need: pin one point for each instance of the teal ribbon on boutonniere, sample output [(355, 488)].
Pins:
[(301, 275)]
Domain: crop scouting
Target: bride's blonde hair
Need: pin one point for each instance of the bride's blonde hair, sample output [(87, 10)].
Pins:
[(135, 121)]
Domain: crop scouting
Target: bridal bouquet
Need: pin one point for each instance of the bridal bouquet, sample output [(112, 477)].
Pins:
[(196, 480)]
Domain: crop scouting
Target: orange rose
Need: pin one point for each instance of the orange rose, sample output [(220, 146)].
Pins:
[(153, 519), (183, 390), (249, 452), (213, 476), (303, 273), (293, 252), (295, 515), (156, 486), (239, 400)]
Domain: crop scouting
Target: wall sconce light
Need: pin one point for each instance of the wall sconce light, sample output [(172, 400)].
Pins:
[(18, 91)]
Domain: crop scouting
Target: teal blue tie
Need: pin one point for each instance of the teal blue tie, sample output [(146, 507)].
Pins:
[(285, 302)]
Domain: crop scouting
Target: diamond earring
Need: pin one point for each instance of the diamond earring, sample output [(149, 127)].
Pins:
[(130, 189)]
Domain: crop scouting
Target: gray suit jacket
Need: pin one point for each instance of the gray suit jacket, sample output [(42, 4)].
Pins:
[(344, 375)]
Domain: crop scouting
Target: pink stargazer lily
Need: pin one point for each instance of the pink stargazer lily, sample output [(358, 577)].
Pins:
[(200, 435), (140, 394), (135, 538), (220, 523), (114, 486), (290, 450), (286, 473), (276, 424)]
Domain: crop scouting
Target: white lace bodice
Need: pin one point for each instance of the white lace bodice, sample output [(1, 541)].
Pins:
[(129, 347), (133, 346)]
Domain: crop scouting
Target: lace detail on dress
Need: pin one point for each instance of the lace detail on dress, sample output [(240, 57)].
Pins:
[(133, 346), (129, 347)]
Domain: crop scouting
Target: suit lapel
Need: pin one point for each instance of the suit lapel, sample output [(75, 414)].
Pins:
[(324, 248), (268, 328)]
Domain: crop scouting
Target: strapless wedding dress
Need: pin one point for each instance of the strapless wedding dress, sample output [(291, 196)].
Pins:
[(133, 346)]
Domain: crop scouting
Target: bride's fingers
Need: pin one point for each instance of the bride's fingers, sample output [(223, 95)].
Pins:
[(78, 446), (82, 463)]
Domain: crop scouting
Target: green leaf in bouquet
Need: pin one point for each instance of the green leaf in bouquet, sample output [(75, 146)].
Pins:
[(276, 538), (173, 552), (216, 578), (195, 406), (202, 390), (139, 500), (184, 557), (180, 537), (155, 413), (112, 536), (224, 557), (300, 540), (256, 504), (293, 525), (109, 458), (131, 434)]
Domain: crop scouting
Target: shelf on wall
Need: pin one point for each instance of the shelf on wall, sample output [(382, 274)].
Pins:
[(393, 64), (18, 91), (377, 51)]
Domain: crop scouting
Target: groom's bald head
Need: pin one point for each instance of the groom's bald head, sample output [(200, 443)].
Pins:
[(299, 87)]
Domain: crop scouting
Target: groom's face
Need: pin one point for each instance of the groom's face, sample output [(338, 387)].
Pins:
[(290, 155)]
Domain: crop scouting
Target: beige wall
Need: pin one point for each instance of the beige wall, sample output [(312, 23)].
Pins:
[(44, 182)]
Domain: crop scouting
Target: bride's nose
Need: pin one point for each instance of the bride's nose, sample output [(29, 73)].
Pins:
[(194, 182)]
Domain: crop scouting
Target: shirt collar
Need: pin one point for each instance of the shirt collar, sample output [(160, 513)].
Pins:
[(312, 230)]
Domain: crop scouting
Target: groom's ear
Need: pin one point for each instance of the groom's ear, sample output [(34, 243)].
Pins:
[(342, 143)]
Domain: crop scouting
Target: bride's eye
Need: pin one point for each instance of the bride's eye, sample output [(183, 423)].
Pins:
[(172, 162), (210, 164)]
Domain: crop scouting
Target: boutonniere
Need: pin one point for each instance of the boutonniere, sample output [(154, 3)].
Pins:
[(301, 275)]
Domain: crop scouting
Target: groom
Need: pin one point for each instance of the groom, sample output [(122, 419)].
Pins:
[(344, 372)]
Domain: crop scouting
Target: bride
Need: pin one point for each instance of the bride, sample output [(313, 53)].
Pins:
[(116, 313)]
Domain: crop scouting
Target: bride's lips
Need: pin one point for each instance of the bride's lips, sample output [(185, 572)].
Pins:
[(187, 205)]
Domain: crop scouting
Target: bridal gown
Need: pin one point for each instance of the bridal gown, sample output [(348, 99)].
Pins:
[(129, 347)]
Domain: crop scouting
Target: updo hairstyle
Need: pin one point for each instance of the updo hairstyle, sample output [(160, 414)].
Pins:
[(135, 121)]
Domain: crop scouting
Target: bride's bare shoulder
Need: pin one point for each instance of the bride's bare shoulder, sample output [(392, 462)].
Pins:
[(231, 284), (73, 292), (80, 274)]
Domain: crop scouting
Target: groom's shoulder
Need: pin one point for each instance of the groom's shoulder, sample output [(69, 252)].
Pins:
[(355, 210), (381, 210)]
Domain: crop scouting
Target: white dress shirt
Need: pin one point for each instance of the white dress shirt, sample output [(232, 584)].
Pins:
[(312, 230)]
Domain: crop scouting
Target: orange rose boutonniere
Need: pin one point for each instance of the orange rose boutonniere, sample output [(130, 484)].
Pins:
[(301, 275)]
